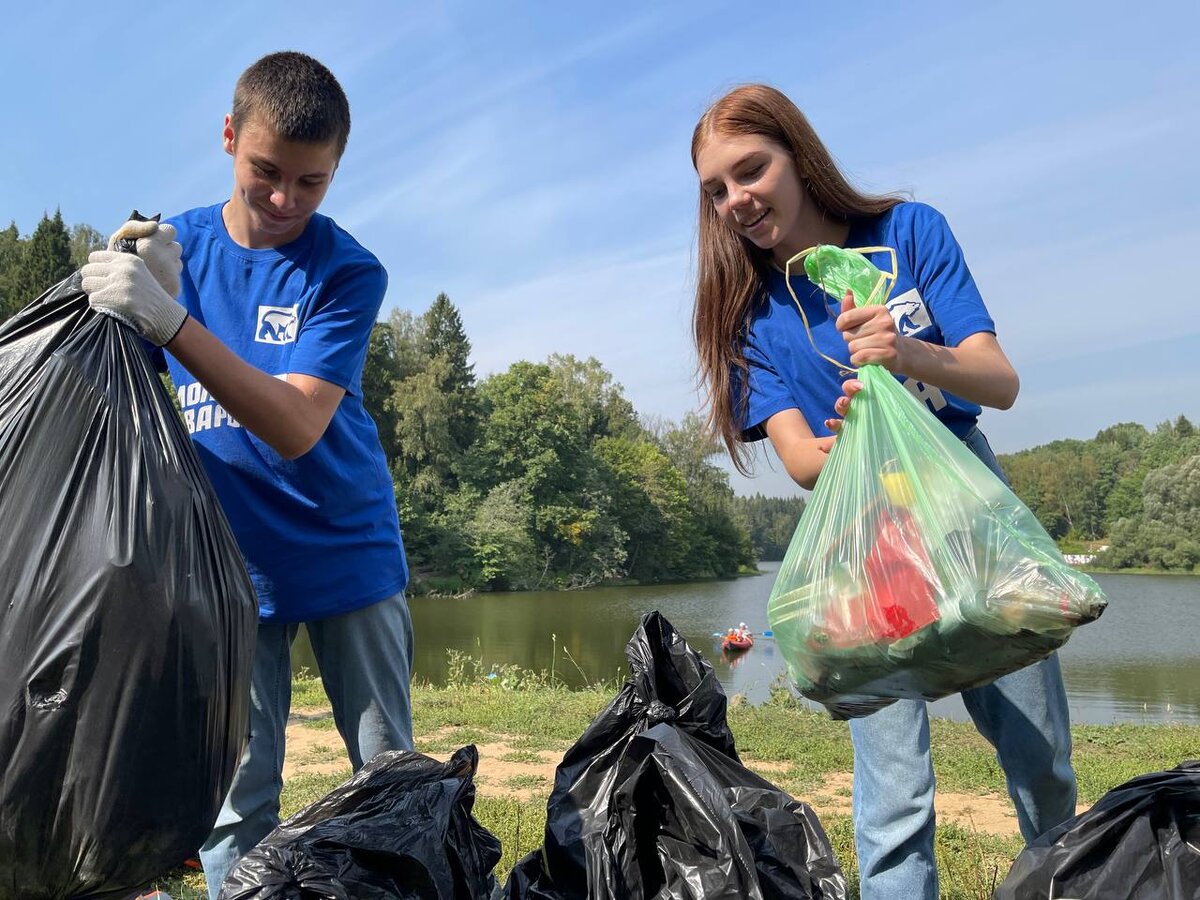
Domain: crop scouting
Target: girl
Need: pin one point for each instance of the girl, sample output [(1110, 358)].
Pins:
[(768, 190)]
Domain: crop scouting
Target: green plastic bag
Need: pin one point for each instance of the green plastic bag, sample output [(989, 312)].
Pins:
[(914, 571)]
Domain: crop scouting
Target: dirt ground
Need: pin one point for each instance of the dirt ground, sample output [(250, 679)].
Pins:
[(320, 752)]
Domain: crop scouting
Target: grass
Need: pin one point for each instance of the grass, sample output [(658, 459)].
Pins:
[(451, 740), (322, 754), (971, 864), (522, 756), (798, 748)]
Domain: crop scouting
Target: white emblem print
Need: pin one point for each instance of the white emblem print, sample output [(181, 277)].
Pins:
[(276, 325), (909, 312)]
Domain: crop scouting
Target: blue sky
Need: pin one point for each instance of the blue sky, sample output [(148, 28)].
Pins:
[(531, 160)]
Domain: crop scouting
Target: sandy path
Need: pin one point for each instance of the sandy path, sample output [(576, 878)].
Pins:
[(504, 772)]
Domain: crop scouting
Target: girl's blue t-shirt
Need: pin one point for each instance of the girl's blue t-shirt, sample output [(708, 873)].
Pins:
[(319, 534), (934, 299)]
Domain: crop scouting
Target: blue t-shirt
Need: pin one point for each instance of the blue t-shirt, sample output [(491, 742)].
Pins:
[(934, 299), (319, 534)]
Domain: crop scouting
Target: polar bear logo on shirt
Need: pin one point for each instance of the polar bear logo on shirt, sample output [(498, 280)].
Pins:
[(909, 312), (276, 325)]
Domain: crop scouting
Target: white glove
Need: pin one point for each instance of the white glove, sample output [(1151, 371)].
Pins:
[(121, 285), (157, 247)]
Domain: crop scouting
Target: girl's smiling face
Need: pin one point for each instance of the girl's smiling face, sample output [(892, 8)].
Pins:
[(755, 191)]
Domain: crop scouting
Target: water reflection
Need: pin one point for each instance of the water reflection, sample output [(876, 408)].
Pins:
[(1137, 663)]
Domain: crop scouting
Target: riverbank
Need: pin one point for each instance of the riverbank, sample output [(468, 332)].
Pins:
[(523, 723), (451, 588), (1098, 570), (448, 587)]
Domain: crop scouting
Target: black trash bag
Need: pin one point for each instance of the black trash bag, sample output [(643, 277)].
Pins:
[(401, 828), (127, 619), (652, 801), (1141, 841)]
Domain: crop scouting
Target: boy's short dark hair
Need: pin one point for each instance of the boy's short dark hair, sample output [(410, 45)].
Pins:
[(296, 96)]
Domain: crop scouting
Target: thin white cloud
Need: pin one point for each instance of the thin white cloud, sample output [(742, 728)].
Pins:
[(630, 312), (1025, 160), (535, 165)]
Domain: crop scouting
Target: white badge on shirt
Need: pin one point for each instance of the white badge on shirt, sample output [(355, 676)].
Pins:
[(276, 325), (909, 312)]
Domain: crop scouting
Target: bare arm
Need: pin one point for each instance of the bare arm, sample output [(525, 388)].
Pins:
[(803, 455), (289, 415), (976, 370)]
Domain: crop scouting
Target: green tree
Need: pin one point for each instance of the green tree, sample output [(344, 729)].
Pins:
[(46, 260), (529, 435), (393, 354), (1124, 435), (772, 522), (1166, 533), (380, 374), (84, 239), (418, 385), (527, 431), (444, 338), (1124, 442), (722, 546), (409, 342), (1162, 447), (1081, 490), (599, 402), (649, 501), (11, 251), (539, 426), (426, 449), (432, 413), (504, 548), (1172, 497)]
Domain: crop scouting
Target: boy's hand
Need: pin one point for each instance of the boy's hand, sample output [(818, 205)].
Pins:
[(121, 285), (157, 247)]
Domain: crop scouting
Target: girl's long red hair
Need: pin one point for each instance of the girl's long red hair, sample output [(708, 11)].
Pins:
[(731, 270)]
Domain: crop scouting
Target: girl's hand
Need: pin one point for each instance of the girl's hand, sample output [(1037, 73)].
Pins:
[(871, 335), (850, 387)]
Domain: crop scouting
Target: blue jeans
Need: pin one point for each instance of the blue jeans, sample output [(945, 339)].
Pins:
[(365, 660), (1023, 715)]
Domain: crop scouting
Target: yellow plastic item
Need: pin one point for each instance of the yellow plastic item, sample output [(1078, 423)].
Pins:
[(899, 488)]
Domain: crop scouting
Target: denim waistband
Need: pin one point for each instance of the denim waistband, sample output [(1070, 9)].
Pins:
[(978, 444)]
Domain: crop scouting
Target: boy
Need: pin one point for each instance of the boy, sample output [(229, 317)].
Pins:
[(266, 346)]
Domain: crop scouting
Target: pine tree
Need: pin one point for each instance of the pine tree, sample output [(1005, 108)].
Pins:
[(380, 373), (11, 250), (46, 261), (443, 337)]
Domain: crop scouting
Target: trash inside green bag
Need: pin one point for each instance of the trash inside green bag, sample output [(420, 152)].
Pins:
[(914, 570)]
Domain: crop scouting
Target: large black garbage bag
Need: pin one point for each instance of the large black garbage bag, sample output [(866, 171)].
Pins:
[(401, 828), (652, 801), (127, 619), (1141, 841)]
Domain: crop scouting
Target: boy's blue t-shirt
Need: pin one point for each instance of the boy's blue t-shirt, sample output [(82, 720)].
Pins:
[(319, 534), (934, 299)]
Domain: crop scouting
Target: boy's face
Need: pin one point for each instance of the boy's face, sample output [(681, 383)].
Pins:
[(277, 184)]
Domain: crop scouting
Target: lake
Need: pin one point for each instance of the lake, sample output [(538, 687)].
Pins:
[(1139, 662)]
